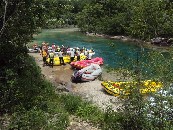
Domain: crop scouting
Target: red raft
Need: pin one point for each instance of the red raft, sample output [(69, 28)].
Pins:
[(84, 63)]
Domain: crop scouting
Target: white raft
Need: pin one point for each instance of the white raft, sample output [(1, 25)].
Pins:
[(87, 74), (33, 50)]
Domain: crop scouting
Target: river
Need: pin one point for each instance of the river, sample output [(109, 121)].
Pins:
[(114, 52)]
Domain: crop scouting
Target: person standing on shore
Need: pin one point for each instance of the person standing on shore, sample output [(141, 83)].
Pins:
[(51, 57), (53, 47), (60, 54), (90, 55), (72, 55), (78, 54), (85, 52), (44, 55)]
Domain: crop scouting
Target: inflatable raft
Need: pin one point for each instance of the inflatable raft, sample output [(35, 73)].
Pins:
[(57, 61), (87, 74), (82, 57), (33, 50), (84, 63), (66, 59), (124, 88)]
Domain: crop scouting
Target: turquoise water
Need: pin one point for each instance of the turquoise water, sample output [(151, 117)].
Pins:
[(115, 53)]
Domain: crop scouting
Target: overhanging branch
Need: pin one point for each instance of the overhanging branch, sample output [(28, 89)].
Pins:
[(9, 10), (4, 17)]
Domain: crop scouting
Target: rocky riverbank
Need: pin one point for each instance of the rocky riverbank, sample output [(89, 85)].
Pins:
[(145, 44), (119, 37)]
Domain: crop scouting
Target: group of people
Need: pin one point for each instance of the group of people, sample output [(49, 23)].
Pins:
[(51, 51)]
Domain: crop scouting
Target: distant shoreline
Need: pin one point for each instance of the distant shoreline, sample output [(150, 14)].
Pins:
[(131, 40)]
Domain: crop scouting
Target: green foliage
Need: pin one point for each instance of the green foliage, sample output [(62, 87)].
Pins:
[(143, 19), (151, 111), (22, 79), (90, 112), (23, 87), (90, 17), (33, 119), (71, 102), (75, 105), (112, 120), (54, 119), (29, 98), (149, 19)]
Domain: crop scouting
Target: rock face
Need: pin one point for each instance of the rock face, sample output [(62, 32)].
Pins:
[(162, 41)]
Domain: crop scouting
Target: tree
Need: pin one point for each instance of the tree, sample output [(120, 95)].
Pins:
[(19, 20), (150, 19)]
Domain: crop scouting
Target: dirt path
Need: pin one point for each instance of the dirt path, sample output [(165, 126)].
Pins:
[(60, 76)]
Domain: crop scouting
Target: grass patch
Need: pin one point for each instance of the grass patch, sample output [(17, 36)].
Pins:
[(35, 119), (84, 109)]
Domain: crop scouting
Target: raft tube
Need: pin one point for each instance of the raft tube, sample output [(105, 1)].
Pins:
[(124, 88), (84, 63), (89, 73)]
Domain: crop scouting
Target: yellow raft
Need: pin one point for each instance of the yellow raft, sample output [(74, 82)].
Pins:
[(82, 57), (124, 88), (66, 59)]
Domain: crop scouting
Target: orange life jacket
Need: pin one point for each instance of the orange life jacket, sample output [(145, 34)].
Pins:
[(44, 54)]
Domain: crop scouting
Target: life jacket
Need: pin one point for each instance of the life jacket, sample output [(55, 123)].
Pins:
[(58, 49), (53, 46), (51, 55), (44, 54), (77, 53)]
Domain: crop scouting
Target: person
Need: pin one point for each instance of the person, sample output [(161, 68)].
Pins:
[(60, 54), (58, 49), (86, 52), (43, 45), (51, 57), (72, 55), (53, 47), (35, 46), (78, 54), (90, 55), (44, 55)]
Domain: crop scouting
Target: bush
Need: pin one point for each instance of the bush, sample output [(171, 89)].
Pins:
[(90, 112), (87, 111), (71, 102), (33, 119), (58, 117), (55, 119), (24, 87), (112, 120)]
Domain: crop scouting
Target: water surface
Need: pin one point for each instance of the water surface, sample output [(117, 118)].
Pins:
[(115, 53)]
